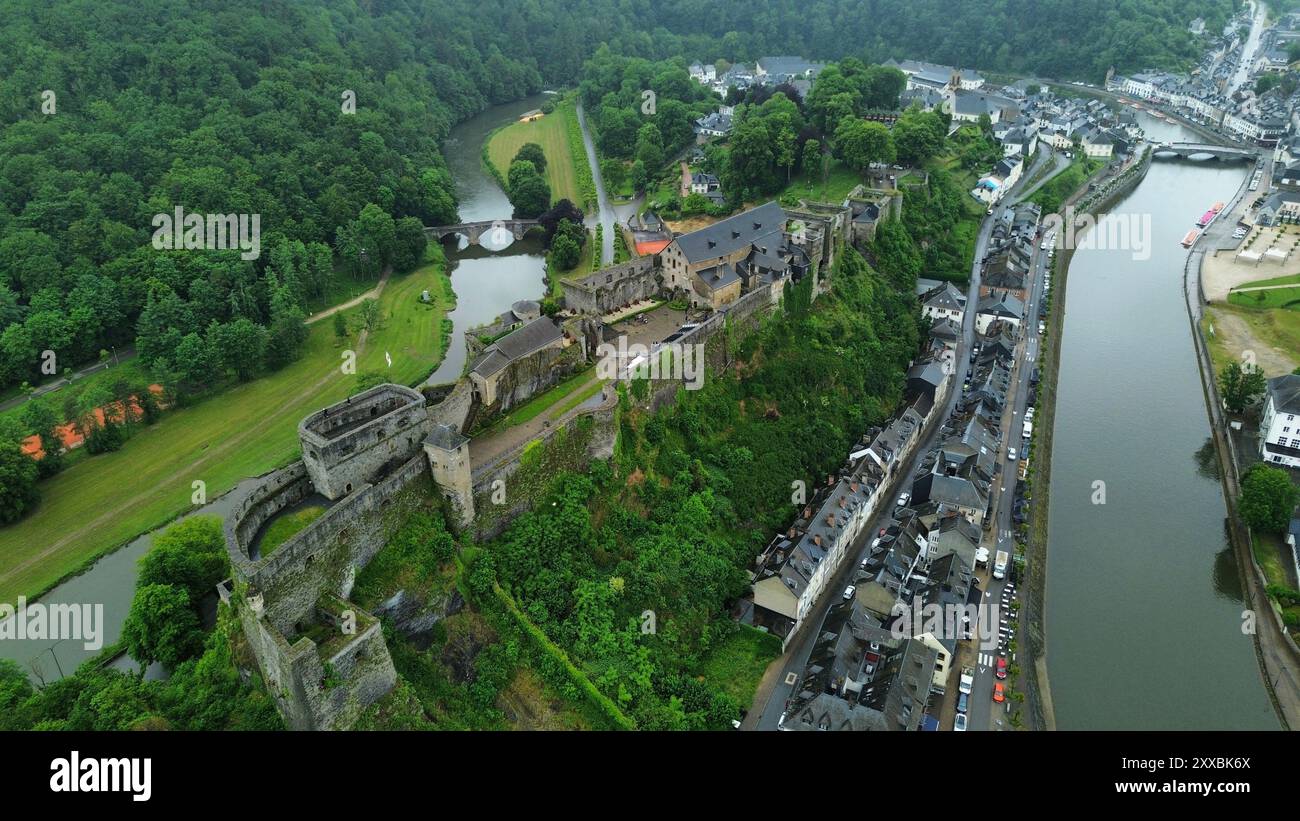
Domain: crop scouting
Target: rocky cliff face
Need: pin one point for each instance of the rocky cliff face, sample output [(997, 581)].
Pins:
[(413, 616)]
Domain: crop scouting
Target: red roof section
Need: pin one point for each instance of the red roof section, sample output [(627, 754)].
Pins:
[(72, 438), (647, 248)]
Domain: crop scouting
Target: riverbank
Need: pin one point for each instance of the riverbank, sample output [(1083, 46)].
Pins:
[(1276, 652), (1040, 475)]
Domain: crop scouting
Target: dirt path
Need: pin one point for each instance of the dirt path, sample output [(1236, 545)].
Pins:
[(146, 493), (1235, 334), (373, 293)]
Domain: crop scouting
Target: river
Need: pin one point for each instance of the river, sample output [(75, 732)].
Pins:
[(1144, 602), (486, 283)]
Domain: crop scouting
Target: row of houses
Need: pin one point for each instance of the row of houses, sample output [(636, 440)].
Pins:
[(796, 71), (1209, 94)]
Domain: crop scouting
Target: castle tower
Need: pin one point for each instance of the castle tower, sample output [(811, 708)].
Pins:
[(448, 452)]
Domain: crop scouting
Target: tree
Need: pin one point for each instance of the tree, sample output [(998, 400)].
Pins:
[(195, 361), (861, 143), (918, 135), (162, 626), (812, 159), (531, 152), (40, 419), (240, 346), (1268, 498), (1240, 385), (562, 211), (565, 252), (527, 190), (340, 326), (190, 555), (18, 473), (613, 173)]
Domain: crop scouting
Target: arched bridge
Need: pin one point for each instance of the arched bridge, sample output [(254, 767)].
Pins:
[(1201, 151), (500, 233)]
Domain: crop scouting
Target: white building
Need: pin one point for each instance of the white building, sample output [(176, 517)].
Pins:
[(1279, 441), (944, 302)]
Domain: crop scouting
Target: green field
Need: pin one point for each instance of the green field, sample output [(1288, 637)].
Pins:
[(100, 503), (551, 132), (1275, 297), (1286, 298), (834, 186), (736, 666), (285, 527)]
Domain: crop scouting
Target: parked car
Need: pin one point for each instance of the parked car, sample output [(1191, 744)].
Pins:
[(962, 702), (1002, 668), (849, 591), (903, 499), (999, 692), (959, 724)]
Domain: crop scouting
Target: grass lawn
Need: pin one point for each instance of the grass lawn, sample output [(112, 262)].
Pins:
[(1268, 550), (535, 406), (1283, 298), (834, 187), (99, 503), (1269, 329), (552, 134), (577, 399), (736, 666), (283, 528)]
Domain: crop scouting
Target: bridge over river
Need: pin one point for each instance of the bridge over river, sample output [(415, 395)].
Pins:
[(1199, 152), (500, 233)]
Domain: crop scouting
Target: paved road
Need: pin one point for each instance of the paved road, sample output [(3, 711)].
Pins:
[(1059, 164), (1249, 50), (770, 701), (128, 352), (604, 211), (984, 714)]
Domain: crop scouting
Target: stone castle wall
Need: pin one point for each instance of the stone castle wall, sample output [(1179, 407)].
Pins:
[(609, 289), (347, 444)]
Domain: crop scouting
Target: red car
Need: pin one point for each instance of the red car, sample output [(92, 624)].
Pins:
[(999, 692), (1002, 668)]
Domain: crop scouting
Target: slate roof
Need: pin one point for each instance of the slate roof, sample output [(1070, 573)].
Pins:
[(1284, 392), (760, 225), (516, 345)]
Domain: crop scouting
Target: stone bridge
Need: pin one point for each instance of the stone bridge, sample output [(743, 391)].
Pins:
[(500, 233), (1202, 151)]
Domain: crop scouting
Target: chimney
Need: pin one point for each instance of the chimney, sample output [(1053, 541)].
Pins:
[(842, 503), (817, 539), (830, 519), (854, 487)]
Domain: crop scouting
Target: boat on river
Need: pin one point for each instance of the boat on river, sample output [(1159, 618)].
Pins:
[(1190, 238)]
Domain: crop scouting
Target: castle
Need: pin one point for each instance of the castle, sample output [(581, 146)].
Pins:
[(323, 658)]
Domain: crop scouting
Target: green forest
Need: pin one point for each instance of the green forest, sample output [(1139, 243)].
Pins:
[(326, 120)]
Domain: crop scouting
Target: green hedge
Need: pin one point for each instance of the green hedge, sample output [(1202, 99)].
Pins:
[(543, 644)]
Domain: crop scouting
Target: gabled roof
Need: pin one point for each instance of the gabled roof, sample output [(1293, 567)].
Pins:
[(722, 238), (1284, 393), (517, 344)]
